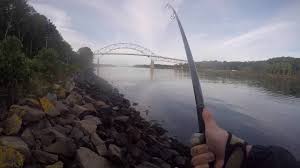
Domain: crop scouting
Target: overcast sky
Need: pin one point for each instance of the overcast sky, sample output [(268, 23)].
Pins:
[(239, 30)]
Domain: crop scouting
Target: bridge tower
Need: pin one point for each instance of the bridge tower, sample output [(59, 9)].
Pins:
[(152, 64)]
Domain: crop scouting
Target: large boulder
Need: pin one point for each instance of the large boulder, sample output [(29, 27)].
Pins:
[(27, 113), (61, 108), (87, 126), (88, 99), (67, 119), (74, 98), (32, 114), (77, 109), (99, 144), (99, 104), (90, 107), (49, 107), (61, 129), (89, 159), (60, 92), (93, 118), (122, 119), (48, 135), (147, 165), (28, 137), (76, 134), (62, 147), (12, 125), (10, 158), (16, 143), (59, 164), (44, 157), (69, 85), (31, 102), (160, 162), (115, 152)]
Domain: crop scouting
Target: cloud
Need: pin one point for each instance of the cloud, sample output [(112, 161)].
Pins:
[(256, 35), (216, 30), (63, 23)]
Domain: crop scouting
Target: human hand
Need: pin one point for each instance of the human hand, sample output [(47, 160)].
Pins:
[(214, 149)]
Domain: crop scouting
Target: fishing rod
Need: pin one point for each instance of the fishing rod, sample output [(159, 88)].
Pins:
[(200, 137), (194, 75)]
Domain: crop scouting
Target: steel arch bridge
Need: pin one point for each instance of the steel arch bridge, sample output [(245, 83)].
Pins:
[(138, 50)]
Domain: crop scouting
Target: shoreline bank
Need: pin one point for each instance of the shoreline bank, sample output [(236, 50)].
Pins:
[(87, 124)]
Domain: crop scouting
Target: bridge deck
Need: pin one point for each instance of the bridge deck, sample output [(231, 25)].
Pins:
[(160, 58)]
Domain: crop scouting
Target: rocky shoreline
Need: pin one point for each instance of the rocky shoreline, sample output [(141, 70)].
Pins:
[(84, 123)]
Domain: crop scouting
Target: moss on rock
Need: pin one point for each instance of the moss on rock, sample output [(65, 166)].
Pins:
[(10, 158), (18, 110), (12, 125), (48, 107), (56, 165)]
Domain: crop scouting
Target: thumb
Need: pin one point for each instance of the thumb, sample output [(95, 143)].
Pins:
[(208, 118)]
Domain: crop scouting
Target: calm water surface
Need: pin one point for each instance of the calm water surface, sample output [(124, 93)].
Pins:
[(260, 113)]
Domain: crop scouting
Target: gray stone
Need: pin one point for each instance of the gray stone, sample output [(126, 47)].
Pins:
[(89, 159), (147, 165), (77, 109), (114, 152), (32, 114), (59, 164), (99, 104), (180, 160), (61, 108), (88, 99), (16, 143), (67, 119), (160, 162), (116, 108), (69, 85), (122, 118), (87, 126), (31, 102), (99, 144), (76, 133), (28, 137), (52, 97), (44, 157), (62, 147), (62, 129), (90, 107), (12, 125), (93, 118), (74, 98)]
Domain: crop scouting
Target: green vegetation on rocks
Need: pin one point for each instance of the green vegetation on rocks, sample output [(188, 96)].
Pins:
[(10, 158), (33, 54)]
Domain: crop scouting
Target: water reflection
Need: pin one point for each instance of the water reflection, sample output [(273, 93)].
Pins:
[(261, 110)]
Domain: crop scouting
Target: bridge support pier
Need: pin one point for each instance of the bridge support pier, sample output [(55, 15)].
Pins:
[(152, 64)]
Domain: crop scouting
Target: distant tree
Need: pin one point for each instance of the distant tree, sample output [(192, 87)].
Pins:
[(48, 65), (14, 67), (86, 57)]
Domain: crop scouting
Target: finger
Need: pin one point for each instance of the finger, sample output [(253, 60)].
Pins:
[(199, 149), (202, 166), (204, 158)]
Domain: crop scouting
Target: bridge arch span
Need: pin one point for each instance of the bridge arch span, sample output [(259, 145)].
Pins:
[(117, 46), (138, 51)]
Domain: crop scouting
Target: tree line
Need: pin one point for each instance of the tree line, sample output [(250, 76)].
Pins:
[(286, 66), (32, 51)]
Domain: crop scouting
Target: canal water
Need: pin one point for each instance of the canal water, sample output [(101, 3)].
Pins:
[(261, 111)]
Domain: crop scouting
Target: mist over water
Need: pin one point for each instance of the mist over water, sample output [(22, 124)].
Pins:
[(266, 113)]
